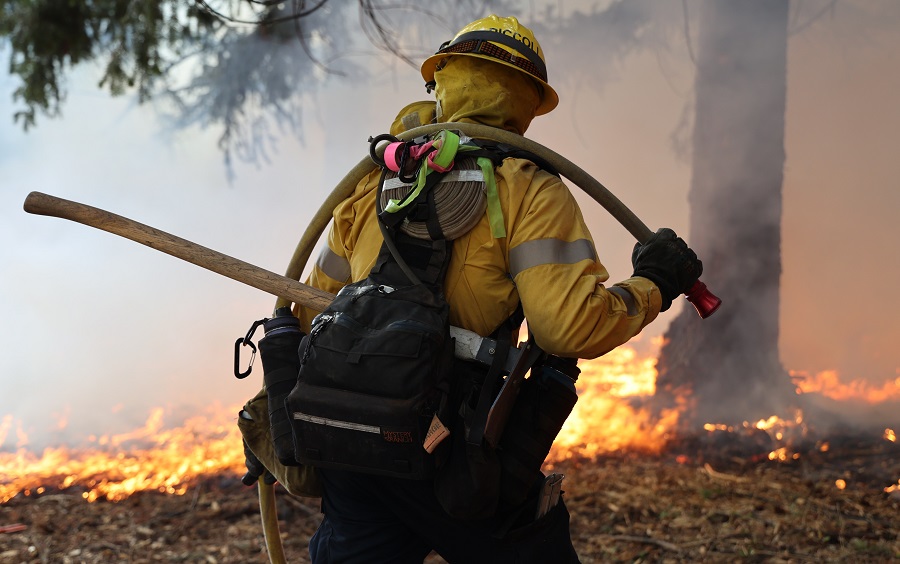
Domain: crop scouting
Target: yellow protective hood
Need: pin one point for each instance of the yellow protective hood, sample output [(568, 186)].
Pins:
[(473, 90)]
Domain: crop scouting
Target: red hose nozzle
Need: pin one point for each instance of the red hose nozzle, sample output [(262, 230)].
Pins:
[(705, 301)]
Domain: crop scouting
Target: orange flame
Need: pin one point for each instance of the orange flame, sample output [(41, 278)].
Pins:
[(610, 416), (828, 383), (604, 419), (781, 430), (149, 458), (153, 457), (6, 425)]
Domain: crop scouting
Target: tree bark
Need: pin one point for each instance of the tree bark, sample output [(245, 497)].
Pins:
[(728, 365)]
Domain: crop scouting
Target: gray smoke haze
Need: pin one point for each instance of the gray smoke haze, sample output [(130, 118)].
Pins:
[(100, 329)]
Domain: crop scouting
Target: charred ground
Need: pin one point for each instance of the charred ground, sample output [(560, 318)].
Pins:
[(703, 500)]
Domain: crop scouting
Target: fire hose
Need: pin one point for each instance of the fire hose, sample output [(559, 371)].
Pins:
[(699, 295), (289, 290)]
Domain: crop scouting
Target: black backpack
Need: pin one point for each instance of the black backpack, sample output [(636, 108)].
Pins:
[(375, 370), (373, 393), (379, 390)]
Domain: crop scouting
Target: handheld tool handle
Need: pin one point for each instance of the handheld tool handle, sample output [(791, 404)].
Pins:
[(275, 284)]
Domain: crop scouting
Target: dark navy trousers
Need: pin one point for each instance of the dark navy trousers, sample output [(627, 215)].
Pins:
[(375, 519)]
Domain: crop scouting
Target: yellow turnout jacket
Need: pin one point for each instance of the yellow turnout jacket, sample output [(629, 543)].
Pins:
[(547, 261)]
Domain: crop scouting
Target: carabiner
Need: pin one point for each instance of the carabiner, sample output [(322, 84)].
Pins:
[(237, 358), (245, 341)]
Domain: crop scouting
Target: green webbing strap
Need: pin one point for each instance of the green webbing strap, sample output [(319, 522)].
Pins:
[(447, 144), (494, 211)]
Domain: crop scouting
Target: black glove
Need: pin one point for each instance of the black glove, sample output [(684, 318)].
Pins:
[(255, 469), (668, 262)]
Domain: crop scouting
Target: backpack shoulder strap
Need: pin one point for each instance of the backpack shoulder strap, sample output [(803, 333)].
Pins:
[(499, 151)]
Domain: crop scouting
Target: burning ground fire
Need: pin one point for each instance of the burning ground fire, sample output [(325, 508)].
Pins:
[(113, 467), (610, 416), (605, 419), (829, 384)]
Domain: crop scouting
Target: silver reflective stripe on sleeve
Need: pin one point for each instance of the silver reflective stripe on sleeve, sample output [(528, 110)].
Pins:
[(337, 423), (549, 251), (333, 265), (626, 297)]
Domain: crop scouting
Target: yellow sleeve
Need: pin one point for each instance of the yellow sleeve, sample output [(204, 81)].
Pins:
[(337, 265), (560, 280)]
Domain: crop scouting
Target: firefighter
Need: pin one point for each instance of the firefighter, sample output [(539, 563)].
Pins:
[(493, 73)]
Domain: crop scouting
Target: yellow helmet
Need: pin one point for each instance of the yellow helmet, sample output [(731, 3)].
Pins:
[(504, 41)]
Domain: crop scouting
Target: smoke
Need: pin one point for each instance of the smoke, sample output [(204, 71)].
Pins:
[(101, 329), (841, 195)]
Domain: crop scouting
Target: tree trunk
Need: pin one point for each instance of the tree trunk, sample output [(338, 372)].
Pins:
[(728, 365)]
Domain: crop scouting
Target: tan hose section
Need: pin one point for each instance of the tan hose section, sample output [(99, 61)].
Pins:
[(269, 514), (346, 187)]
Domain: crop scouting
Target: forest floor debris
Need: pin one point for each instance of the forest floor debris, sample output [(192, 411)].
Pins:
[(822, 507)]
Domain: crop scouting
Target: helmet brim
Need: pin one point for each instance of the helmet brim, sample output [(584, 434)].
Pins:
[(549, 97)]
